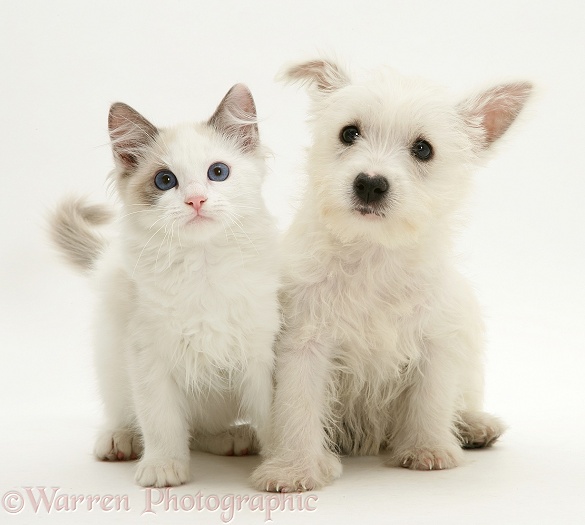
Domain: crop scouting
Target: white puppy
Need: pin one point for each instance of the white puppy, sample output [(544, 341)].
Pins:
[(382, 343)]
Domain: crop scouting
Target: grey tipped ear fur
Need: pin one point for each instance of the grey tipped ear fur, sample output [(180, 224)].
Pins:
[(130, 132), (493, 111), (324, 75), (236, 118)]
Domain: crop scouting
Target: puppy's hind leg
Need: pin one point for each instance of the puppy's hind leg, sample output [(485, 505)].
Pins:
[(477, 429)]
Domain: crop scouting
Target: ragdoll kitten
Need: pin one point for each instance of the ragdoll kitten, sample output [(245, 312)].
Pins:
[(381, 347), (188, 307)]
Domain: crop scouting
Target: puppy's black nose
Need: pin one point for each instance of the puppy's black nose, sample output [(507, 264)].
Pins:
[(370, 189)]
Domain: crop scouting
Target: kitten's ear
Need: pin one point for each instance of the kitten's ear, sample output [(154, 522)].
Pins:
[(130, 133), (235, 117), (489, 114), (325, 76)]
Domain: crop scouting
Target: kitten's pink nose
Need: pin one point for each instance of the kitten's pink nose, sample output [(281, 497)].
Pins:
[(196, 201)]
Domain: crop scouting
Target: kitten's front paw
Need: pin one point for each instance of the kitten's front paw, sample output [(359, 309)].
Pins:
[(428, 458), (276, 475), (479, 429), (166, 472), (118, 445), (237, 441)]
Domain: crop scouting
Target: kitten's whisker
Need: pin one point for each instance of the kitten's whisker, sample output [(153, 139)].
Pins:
[(145, 204), (171, 242), (243, 207), (239, 224), (250, 192), (131, 213), (144, 248), (237, 242), (179, 235), (160, 247), (227, 239), (159, 219), (161, 138), (154, 208), (238, 215)]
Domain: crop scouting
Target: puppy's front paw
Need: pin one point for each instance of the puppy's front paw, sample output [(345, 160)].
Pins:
[(165, 472), (428, 458), (479, 429), (276, 475), (118, 445)]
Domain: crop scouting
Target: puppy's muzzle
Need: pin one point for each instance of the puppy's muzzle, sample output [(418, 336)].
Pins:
[(370, 189)]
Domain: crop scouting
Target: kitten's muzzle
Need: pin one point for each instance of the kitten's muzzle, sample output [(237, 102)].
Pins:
[(370, 188), (196, 201)]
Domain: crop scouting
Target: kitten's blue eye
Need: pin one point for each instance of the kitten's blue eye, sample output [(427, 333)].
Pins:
[(165, 180), (218, 172)]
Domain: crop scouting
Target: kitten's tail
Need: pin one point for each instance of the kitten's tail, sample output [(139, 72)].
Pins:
[(73, 231)]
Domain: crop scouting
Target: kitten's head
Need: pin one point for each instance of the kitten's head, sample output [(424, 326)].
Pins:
[(201, 178), (392, 155)]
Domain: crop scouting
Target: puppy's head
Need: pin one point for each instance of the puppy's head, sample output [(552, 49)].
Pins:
[(392, 155)]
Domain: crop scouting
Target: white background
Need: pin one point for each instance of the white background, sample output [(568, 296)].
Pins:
[(61, 65)]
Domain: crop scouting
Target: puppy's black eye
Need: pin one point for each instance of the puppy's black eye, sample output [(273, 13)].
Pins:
[(422, 150), (165, 180), (349, 134)]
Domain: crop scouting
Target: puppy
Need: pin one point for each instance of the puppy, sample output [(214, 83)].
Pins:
[(381, 348)]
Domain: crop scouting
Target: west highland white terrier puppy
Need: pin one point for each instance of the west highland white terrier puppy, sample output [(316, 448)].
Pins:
[(383, 338)]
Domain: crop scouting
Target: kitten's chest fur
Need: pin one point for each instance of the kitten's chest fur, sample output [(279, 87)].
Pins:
[(200, 305), (190, 280)]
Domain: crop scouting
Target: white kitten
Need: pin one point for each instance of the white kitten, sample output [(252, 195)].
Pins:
[(188, 308), (382, 343)]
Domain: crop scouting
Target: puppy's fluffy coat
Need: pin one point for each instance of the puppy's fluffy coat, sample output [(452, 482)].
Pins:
[(382, 343)]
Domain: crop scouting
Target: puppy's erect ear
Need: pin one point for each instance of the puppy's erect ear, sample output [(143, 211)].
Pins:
[(491, 113), (235, 117), (324, 75), (130, 133)]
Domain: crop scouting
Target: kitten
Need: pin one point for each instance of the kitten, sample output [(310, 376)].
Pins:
[(188, 308)]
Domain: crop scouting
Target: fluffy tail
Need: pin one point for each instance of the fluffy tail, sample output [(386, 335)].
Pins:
[(73, 231)]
